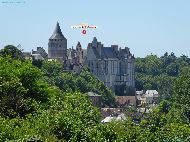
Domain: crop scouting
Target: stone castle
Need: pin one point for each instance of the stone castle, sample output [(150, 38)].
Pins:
[(112, 65)]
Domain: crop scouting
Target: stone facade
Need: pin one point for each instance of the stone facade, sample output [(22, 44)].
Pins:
[(113, 66), (27, 55), (57, 46), (122, 101), (75, 58), (39, 54), (95, 99), (41, 51), (148, 98)]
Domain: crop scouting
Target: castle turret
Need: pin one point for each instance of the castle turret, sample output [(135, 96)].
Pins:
[(57, 46), (78, 47), (95, 42), (80, 54)]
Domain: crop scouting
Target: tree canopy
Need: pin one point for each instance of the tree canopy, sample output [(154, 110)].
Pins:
[(11, 51), (159, 73), (44, 103)]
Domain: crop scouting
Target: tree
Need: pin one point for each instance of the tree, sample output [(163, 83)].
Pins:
[(165, 86), (182, 89), (172, 69), (52, 68), (64, 113), (11, 51), (152, 65), (37, 63), (19, 87), (78, 114), (182, 94), (66, 82), (87, 82), (151, 71)]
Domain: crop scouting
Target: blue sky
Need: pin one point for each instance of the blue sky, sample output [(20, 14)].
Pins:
[(145, 26)]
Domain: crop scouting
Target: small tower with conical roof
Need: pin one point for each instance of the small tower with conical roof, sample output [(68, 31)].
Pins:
[(57, 46)]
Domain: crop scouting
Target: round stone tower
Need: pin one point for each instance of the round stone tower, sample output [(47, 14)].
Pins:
[(57, 46)]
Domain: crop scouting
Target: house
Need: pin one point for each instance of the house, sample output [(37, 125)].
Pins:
[(95, 99), (27, 55), (37, 57), (149, 97), (111, 111), (40, 51), (125, 100), (34, 56), (108, 119)]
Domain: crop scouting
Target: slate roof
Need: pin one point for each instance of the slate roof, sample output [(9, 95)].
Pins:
[(57, 34), (37, 57), (27, 54), (109, 53), (96, 53)]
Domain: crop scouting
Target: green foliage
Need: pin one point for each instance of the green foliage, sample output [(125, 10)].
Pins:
[(19, 87), (37, 63), (11, 51), (154, 73), (77, 115), (52, 68), (47, 104), (66, 121), (182, 89), (83, 82), (66, 82), (87, 82), (166, 123), (182, 94)]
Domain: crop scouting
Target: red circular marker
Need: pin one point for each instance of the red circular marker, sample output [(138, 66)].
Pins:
[(84, 32)]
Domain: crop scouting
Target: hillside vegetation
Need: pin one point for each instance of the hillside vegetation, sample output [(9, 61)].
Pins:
[(160, 73), (40, 102)]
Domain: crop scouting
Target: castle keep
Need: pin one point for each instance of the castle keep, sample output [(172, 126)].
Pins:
[(57, 46)]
